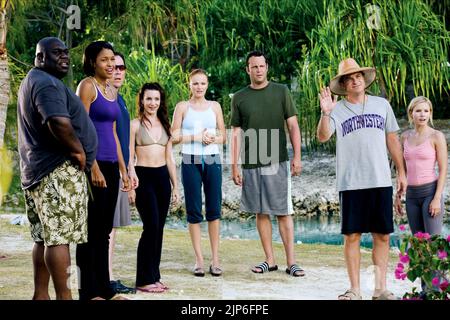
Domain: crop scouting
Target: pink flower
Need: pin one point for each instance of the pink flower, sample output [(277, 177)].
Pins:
[(422, 235), (404, 258), (400, 266), (412, 298), (444, 285), (442, 254), (448, 238), (399, 274), (435, 281), (402, 227)]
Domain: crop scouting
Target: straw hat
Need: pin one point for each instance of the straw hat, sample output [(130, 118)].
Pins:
[(349, 66)]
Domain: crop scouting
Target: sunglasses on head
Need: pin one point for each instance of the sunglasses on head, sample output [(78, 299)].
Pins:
[(120, 67)]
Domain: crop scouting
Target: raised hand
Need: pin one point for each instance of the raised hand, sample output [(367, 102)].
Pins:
[(327, 100)]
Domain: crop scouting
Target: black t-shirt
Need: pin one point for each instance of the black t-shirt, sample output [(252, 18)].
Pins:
[(42, 96)]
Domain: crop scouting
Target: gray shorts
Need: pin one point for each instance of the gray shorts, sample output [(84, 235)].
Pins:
[(267, 190), (122, 215)]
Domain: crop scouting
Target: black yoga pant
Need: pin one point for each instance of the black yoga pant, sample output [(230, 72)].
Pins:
[(92, 257), (152, 203), (418, 199)]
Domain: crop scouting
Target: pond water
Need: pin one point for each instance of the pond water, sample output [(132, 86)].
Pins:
[(320, 229)]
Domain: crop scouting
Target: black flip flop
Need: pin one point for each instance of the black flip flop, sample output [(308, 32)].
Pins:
[(293, 269), (264, 266)]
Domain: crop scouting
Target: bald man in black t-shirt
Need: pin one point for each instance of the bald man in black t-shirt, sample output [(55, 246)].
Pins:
[(57, 143)]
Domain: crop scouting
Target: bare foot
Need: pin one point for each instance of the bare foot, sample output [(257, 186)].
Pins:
[(161, 285), (151, 288), (119, 297)]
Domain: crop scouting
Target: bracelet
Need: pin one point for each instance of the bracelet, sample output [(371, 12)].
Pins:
[(323, 114)]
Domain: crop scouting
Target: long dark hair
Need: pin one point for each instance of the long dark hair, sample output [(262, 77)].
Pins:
[(162, 113), (90, 55)]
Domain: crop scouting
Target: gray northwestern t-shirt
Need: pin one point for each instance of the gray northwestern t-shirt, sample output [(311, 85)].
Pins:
[(361, 150), (42, 96)]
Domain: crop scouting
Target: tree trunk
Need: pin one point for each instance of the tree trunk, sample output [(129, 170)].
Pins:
[(69, 77), (4, 75)]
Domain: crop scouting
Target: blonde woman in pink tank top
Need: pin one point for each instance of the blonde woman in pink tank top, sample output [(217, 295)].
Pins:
[(424, 147)]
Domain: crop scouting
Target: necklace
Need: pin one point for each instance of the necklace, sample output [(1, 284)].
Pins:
[(103, 88), (364, 105)]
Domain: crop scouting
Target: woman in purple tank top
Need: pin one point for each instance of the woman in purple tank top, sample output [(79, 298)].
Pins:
[(100, 101)]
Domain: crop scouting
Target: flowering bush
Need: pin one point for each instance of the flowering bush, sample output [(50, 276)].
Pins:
[(425, 257)]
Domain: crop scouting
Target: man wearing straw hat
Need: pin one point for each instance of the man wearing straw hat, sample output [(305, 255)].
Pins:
[(365, 128)]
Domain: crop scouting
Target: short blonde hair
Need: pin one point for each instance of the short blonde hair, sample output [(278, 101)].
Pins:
[(416, 101)]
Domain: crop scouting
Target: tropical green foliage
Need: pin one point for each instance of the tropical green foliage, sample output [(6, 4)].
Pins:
[(425, 257), (143, 66), (304, 39), (225, 78), (276, 27), (405, 41)]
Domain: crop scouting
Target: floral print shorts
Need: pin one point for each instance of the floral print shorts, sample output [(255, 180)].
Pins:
[(57, 207)]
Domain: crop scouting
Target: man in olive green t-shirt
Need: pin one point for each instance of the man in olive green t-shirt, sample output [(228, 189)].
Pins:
[(259, 115)]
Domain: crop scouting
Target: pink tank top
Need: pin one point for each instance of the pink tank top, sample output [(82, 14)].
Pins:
[(420, 162)]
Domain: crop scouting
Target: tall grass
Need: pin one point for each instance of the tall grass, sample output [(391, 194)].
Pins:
[(304, 39), (143, 66), (410, 47)]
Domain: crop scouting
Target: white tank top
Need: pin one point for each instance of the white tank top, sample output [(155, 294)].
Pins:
[(195, 122)]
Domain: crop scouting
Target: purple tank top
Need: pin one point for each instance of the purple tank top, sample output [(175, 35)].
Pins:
[(103, 113)]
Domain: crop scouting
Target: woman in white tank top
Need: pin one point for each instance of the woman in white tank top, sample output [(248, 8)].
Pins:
[(198, 125)]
